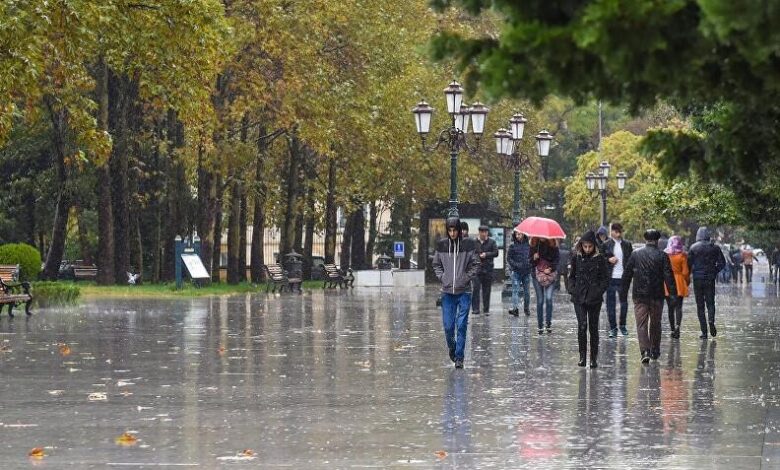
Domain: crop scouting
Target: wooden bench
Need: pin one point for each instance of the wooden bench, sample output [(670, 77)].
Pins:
[(276, 277), (13, 293), (85, 273), (333, 276)]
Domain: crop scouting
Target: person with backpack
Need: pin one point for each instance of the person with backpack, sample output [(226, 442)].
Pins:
[(544, 258)]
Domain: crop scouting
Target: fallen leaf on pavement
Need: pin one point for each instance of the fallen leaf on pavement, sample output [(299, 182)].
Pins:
[(97, 396), (37, 453), (221, 350), (126, 439), (64, 349), (247, 453), (440, 454)]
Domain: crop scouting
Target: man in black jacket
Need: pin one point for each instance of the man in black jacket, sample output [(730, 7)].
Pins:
[(617, 251), (705, 260), (649, 268), (486, 251)]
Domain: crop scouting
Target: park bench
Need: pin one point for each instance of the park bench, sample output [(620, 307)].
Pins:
[(85, 273), (12, 292), (276, 277), (336, 277)]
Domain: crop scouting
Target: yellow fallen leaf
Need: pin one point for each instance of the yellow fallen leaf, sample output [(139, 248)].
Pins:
[(247, 453), (64, 349), (37, 453), (126, 439), (440, 454), (221, 350)]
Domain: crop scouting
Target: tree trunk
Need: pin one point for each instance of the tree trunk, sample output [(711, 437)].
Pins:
[(177, 195), (59, 136), (331, 224), (121, 97), (346, 244), (234, 226), (105, 254), (258, 219), (358, 228), (422, 241), (287, 240), (242, 236), (217, 250), (207, 207), (308, 244), (372, 234), (83, 234)]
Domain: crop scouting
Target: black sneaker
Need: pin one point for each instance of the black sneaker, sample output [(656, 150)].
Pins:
[(452, 355), (514, 312), (475, 312), (582, 361), (487, 313), (593, 364), (541, 331), (654, 355), (459, 364), (549, 330), (703, 336), (645, 357), (527, 312), (713, 330)]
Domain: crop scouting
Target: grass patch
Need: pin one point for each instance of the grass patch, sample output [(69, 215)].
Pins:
[(54, 293), (90, 289)]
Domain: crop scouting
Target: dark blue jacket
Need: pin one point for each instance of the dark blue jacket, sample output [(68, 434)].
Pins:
[(517, 257), (705, 260)]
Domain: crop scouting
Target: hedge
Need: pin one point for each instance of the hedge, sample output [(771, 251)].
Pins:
[(54, 293), (27, 257)]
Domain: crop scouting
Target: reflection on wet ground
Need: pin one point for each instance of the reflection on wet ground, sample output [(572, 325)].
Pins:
[(361, 379)]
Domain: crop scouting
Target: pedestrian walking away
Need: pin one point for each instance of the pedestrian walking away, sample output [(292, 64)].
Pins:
[(455, 264), (650, 269), (736, 264), (747, 261), (588, 280), (682, 278), (705, 260), (486, 250), (517, 257), (544, 258), (617, 251)]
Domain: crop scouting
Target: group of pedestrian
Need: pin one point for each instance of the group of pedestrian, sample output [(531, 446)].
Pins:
[(598, 266)]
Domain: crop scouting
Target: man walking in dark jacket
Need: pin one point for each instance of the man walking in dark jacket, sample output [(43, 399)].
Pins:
[(486, 250), (649, 268), (617, 251), (705, 261), (455, 264), (517, 257)]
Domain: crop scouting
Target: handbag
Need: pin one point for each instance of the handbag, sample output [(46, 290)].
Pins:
[(544, 279)]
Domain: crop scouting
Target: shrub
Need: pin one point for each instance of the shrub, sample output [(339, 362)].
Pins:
[(54, 293), (26, 256)]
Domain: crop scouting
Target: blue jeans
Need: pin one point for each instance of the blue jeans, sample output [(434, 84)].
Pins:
[(455, 312), (521, 282), (544, 297), (614, 288)]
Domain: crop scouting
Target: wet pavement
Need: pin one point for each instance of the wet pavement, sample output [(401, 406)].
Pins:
[(361, 379)]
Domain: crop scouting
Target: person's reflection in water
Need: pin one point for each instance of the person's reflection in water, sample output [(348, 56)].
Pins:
[(645, 422), (674, 396), (456, 424), (701, 428), (587, 434)]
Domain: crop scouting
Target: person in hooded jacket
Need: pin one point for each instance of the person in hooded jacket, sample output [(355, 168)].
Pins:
[(602, 235), (650, 269), (588, 280), (517, 257), (705, 260), (455, 264), (682, 277), (487, 250)]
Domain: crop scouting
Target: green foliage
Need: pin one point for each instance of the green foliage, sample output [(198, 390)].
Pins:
[(54, 293), (713, 59), (27, 257), (706, 204)]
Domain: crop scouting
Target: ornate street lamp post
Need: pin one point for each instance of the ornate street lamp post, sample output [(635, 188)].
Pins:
[(598, 182), (508, 143), (455, 135)]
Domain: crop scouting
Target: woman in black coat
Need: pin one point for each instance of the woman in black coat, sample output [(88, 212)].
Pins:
[(589, 279)]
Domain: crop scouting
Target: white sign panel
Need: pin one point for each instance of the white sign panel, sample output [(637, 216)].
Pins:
[(195, 266)]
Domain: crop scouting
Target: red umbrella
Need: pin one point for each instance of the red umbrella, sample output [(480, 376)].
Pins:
[(541, 228)]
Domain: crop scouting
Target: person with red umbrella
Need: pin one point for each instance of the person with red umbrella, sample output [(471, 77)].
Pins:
[(544, 257)]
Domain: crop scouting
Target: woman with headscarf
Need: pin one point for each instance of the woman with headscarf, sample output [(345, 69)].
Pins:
[(544, 257), (682, 278), (588, 279)]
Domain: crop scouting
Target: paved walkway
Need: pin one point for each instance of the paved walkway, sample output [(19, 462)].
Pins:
[(361, 379)]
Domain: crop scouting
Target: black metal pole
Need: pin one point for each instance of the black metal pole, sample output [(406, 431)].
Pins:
[(516, 201), (603, 207)]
